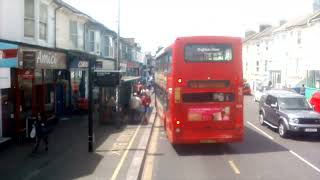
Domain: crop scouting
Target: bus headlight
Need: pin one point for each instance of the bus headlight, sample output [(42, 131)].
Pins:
[(294, 120)]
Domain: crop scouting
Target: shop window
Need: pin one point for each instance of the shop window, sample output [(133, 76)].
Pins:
[(91, 41), (29, 18), (266, 66), (43, 22), (107, 48), (313, 79), (299, 37), (49, 98), (74, 33)]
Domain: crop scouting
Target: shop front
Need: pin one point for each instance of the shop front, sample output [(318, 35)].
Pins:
[(8, 60), (78, 65), (37, 80)]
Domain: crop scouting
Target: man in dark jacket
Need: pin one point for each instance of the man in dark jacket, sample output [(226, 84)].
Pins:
[(41, 132)]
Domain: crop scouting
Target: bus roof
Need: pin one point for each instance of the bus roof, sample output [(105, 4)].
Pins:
[(208, 37), (163, 50)]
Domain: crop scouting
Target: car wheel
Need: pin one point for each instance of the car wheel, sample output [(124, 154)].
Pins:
[(283, 131), (261, 119)]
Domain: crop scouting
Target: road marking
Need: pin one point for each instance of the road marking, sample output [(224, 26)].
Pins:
[(305, 161), (148, 167), (264, 133), (234, 167), (117, 170), (137, 163)]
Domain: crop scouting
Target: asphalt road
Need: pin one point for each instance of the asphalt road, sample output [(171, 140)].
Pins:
[(262, 155)]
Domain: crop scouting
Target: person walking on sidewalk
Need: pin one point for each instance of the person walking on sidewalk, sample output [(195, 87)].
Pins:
[(146, 101), (135, 106), (41, 132)]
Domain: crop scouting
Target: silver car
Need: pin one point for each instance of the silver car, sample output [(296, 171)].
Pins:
[(288, 112)]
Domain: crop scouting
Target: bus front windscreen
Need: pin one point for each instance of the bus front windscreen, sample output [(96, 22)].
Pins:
[(208, 52)]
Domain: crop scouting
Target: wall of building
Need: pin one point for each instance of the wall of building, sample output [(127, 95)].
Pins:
[(15, 31), (63, 30)]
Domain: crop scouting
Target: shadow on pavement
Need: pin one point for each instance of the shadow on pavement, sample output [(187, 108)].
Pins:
[(67, 158), (253, 143)]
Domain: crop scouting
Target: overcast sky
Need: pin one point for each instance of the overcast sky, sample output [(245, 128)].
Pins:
[(158, 22)]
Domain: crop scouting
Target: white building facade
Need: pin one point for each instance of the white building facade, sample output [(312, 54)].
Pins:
[(31, 21)]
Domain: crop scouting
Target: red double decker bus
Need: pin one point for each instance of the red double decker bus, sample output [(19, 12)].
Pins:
[(199, 90)]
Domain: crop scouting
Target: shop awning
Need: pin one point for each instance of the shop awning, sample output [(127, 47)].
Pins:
[(130, 78), (123, 78), (8, 55)]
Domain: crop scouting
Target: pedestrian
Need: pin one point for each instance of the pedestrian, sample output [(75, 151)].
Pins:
[(146, 101), (269, 86), (135, 106), (41, 132), (302, 90), (138, 88)]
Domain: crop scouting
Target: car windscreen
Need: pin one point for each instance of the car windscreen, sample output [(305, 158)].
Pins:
[(294, 104)]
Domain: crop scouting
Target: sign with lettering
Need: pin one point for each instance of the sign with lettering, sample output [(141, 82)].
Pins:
[(77, 63), (50, 60), (42, 59), (83, 64), (107, 79), (29, 59)]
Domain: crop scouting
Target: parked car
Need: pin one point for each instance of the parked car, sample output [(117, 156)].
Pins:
[(289, 112), (246, 89), (259, 92)]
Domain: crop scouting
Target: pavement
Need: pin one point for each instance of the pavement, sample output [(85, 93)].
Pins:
[(263, 155), (119, 153)]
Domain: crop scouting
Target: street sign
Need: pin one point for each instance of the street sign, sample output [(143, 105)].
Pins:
[(107, 79)]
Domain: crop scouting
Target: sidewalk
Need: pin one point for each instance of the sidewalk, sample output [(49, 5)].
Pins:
[(68, 141), (68, 156)]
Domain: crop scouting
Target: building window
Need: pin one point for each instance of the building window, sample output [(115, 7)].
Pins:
[(43, 22), (247, 66), (299, 37), (74, 33), (266, 66), (106, 46), (257, 66), (29, 18), (91, 41)]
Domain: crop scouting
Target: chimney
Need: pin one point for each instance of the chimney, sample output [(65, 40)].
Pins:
[(262, 27)]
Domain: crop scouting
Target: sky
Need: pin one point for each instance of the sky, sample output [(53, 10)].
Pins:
[(155, 23)]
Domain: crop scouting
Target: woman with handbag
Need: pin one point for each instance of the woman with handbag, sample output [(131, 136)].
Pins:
[(41, 132)]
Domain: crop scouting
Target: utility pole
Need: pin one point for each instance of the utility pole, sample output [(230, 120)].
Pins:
[(118, 60), (118, 38), (90, 120)]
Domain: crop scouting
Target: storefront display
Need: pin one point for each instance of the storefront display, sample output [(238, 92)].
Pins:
[(8, 60), (36, 83)]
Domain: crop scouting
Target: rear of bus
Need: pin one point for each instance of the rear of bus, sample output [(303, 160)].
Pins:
[(207, 99)]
